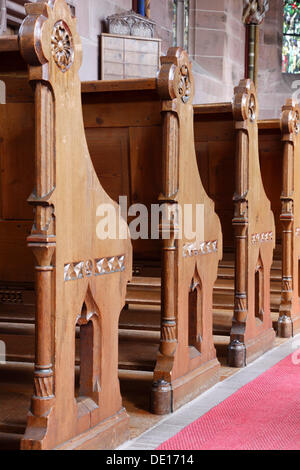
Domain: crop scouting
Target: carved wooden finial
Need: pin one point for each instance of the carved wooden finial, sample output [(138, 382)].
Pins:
[(175, 80), (48, 35), (254, 11), (290, 117), (245, 105)]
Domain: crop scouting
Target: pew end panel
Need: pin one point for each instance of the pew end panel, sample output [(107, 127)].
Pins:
[(187, 357), (271, 163), (80, 279), (227, 152), (151, 132), (252, 333), (289, 311)]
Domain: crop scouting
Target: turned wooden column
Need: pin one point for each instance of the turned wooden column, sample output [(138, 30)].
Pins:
[(43, 397), (168, 233), (42, 243), (237, 351), (161, 390), (285, 325)]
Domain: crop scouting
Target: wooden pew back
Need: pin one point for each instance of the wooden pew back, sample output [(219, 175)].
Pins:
[(215, 147), (123, 124)]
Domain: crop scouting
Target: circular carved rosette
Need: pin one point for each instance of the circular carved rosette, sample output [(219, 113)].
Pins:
[(62, 46), (175, 79), (48, 35), (245, 103), (252, 108), (185, 85), (290, 118), (295, 121)]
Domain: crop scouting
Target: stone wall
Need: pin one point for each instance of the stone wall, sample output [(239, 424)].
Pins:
[(274, 87), (216, 40), (217, 45), (91, 16)]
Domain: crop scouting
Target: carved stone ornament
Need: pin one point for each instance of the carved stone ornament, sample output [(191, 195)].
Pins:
[(255, 11), (62, 46), (131, 24)]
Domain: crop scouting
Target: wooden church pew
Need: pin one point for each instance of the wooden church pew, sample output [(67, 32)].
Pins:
[(140, 137), (124, 130), (74, 280), (279, 159), (226, 139)]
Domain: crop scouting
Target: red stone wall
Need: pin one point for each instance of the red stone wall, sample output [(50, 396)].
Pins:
[(217, 38), (274, 87)]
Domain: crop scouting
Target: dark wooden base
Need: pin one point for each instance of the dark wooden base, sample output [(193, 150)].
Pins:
[(241, 354), (168, 397), (288, 327), (107, 435)]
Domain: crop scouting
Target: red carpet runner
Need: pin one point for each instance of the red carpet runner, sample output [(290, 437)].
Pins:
[(263, 415)]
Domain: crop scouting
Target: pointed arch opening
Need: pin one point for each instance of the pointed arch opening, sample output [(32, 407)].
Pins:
[(259, 291), (88, 347), (195, 316)]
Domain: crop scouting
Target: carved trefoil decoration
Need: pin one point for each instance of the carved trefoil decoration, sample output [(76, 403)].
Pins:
[(81, 269), (254, 11), (131, 24), (62, 46)]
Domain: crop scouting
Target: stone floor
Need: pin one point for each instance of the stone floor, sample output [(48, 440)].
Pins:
[(147, 431)]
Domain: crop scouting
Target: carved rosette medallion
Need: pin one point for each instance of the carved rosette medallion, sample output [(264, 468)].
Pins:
[(252, 108), (296, 119), (185, 86), (62, 46)]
